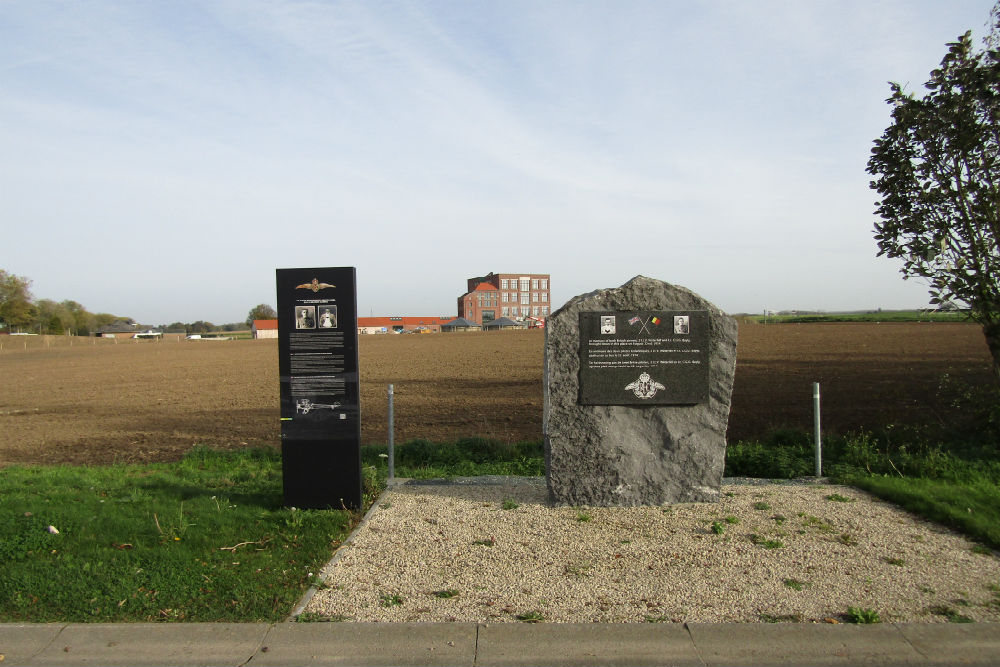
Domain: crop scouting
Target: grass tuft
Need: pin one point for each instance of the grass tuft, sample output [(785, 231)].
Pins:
[(862, 616)]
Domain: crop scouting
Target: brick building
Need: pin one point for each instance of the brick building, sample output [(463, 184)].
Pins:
[(371, 325), (514, 295)]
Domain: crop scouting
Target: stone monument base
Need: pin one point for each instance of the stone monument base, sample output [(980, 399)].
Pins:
[(638, 452)]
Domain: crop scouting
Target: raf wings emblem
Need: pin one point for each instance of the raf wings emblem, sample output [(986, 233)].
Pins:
[(644, 387), (315, 285)]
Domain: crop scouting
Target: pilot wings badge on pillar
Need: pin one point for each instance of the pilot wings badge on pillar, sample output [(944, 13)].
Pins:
[(320, 398)]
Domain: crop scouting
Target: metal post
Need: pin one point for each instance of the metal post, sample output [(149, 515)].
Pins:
[(392, 447), (816, 434)]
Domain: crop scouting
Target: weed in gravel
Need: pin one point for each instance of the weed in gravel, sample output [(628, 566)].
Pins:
[(981, 549), (718, 527), (894, 561), (797, 585), (509, 504), (393, 600), (764, 542), (837, 498), (821, 525), (862, 616), (778, 519), (488, 542), (732, 520), (314, 617), (926, 589), (781, 618), (578, 570), (533, 616), (657, 619), (582, 516), (848, 539), (949, 613), (445, 594), (761, 505)]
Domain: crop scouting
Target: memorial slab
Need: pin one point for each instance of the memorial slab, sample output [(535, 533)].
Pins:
[(638, 383)]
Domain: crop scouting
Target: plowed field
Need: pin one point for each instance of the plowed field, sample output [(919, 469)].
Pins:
[(97, 401)]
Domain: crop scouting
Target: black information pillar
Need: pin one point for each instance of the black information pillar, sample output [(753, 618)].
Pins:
[(320, 400)]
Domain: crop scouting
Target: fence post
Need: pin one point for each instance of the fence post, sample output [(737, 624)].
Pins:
[(818, 444), (392, 448)]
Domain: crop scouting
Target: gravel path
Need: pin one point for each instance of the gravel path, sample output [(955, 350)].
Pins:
[(806, 552)]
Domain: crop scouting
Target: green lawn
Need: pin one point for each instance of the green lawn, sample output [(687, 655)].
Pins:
[(205, 539)]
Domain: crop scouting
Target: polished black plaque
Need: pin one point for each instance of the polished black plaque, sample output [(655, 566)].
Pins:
[(644, 357), (320, 399)]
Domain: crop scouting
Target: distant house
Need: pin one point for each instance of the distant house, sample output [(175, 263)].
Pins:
[(503, 323), (400, 324), (265, 328), (119, 329)]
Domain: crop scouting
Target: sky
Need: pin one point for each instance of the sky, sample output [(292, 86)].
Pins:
[(159, 160)]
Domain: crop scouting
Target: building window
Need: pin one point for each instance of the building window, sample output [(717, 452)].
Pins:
[(545, 297), (524, 284), (545, 283), (505, 297), (545, 310), (534, 296), (534, 284), (524, 299), (503, 283), (506, 311)]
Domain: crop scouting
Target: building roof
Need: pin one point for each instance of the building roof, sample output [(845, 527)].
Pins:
[(389, 322), (460, 322), (503, 322), (120, 326), (264, 325)]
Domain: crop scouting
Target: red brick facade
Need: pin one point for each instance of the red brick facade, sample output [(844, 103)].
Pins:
[(513, 295)]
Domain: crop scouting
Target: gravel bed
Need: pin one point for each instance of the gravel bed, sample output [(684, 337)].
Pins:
[(495, 550)]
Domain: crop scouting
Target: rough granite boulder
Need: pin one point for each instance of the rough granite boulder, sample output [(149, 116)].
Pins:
[(624, 455)]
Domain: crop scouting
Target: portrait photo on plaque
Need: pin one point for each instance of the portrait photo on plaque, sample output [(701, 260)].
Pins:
[(682, 324), (607, 324), (327, 317), (305, 317)]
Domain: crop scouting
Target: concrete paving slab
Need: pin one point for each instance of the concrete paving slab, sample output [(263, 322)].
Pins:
[(153, 644), (20, 642), (585, 644), (368, 644), (802, 644), (955, 643)]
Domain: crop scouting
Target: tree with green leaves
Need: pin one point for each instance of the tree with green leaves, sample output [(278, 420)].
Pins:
[(16, 308), (937, 171), (261, 311)]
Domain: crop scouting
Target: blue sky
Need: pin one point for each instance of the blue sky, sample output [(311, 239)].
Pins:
[(160, 160)]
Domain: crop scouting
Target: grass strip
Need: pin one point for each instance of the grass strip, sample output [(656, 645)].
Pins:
[(204, 539), (972, 507)]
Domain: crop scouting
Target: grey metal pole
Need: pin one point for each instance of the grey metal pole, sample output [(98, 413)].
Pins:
[(392, 446), (816, 431)]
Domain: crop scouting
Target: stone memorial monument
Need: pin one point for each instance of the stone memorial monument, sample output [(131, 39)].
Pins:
[(638, 381)]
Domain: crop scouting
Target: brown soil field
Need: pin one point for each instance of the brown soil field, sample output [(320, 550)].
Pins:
[(95, 401)]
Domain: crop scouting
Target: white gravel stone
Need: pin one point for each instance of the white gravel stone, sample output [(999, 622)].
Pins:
[(644, 564)]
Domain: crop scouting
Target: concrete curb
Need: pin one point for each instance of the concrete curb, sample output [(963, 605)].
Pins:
[(482, 645)]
